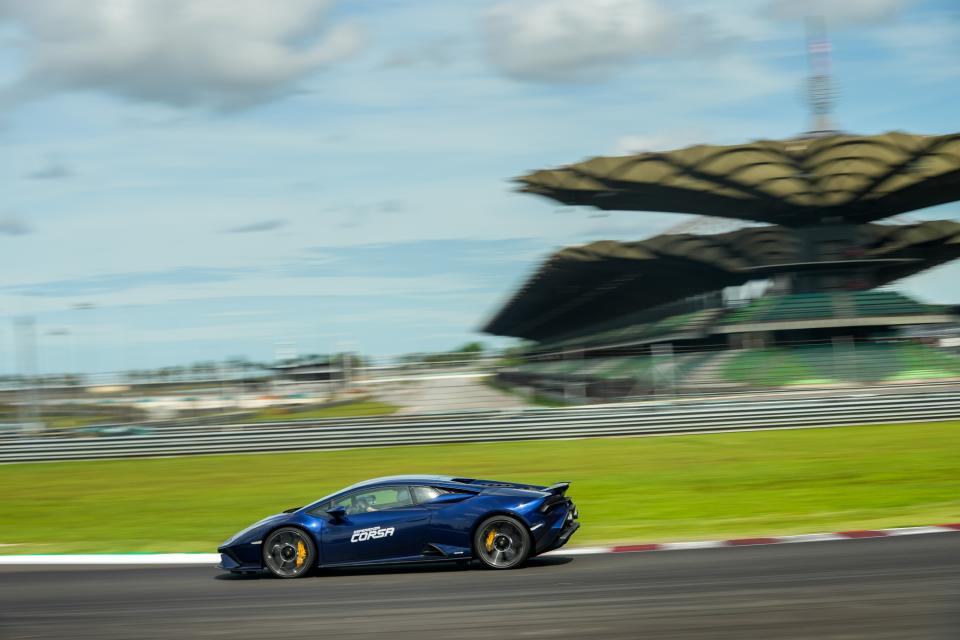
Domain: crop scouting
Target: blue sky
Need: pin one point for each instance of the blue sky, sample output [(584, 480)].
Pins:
[(231, 178)]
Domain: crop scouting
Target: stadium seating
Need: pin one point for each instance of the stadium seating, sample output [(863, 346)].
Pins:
[(842, 363), (639, 332), (601, 366), (812, 306), (785, 366), (889, 303), (773, 308)]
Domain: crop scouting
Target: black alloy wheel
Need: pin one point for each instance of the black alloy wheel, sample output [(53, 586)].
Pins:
[(502, 542), (289, 553)]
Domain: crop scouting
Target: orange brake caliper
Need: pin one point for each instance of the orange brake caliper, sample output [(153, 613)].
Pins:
[(301, 553), (490, 537)]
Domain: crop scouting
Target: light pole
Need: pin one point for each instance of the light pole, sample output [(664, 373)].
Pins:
[(25, 329), (70, 377)]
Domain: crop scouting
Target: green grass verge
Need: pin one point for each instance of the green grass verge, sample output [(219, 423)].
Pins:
[(351, 410), (628, 489), (70, 422)]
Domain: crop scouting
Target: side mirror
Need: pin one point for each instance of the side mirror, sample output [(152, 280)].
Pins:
[(337, 513)]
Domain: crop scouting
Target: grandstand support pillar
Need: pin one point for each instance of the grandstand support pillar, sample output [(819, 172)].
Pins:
[(663, 369), (574, 391), (844, 353), (757, 340)]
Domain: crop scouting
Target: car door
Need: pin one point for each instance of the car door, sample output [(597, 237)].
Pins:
[(379, 524)]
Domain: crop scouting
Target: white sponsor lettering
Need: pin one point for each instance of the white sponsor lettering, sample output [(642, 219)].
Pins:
[(371, 533)]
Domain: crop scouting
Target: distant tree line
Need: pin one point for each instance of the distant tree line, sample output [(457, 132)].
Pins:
[(467, 354), (239, 367), (44, 380)]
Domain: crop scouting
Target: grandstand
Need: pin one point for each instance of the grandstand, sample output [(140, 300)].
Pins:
[(718, 348), (614, 319)]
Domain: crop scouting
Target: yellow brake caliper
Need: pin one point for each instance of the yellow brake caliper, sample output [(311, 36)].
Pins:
[(490, 537), (301, 553)]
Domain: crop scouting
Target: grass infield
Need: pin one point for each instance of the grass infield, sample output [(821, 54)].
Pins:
[(628, 489)]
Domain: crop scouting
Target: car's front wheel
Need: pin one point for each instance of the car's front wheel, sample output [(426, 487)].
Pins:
[(502, 542), (289, 553)]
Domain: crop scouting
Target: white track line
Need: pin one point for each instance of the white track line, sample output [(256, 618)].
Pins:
[(578, 551), (813, 537), (696, 544), (112, 558)]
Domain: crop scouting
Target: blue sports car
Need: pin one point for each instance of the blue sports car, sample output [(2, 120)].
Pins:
[(408, 519)]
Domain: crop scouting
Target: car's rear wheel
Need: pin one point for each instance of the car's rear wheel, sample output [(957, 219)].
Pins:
[(502, 542), (289, 553)]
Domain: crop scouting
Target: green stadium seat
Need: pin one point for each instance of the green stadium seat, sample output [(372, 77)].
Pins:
[(810, 306)]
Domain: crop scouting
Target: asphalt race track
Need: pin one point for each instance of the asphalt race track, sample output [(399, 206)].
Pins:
[(899, 588)]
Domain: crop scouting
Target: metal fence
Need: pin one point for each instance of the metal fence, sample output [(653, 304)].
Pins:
[(638, 371), (568, 378), (647, 419)]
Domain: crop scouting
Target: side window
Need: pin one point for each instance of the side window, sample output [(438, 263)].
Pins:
[(425, 494), (378, 499)]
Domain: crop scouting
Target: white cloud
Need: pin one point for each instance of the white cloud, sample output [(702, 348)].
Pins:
[(838, 12), (564, 40), (588, 40), (220, 54), (660, 141)]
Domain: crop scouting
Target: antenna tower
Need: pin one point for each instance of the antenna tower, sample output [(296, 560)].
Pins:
[(821, 91)]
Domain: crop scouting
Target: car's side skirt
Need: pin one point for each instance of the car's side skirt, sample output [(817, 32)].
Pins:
[(403, 560)]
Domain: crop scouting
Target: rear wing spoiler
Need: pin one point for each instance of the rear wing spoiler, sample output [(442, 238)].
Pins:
[(559, 488), (556, 496)]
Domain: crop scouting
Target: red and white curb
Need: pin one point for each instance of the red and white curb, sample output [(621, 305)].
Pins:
[(750, 542), (213, 558)]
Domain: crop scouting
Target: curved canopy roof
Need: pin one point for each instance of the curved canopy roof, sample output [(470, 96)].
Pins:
[(912, 248), (580, 286), (788, 182)]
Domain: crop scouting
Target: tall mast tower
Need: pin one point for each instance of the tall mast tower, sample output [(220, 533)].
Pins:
[(821, 91)]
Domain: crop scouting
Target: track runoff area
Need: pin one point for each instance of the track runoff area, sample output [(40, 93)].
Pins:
[(894, 587), (885, 583)]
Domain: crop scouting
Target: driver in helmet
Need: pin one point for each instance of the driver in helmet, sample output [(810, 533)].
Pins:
[(365, 504)]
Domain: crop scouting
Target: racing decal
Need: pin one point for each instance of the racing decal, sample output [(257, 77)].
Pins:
[(371, 533)]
